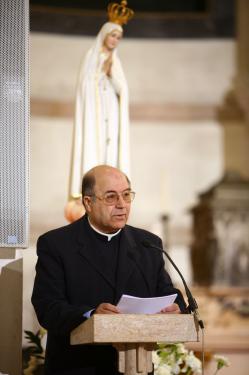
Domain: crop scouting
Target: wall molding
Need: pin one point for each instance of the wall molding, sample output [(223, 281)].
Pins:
[(139, 112)]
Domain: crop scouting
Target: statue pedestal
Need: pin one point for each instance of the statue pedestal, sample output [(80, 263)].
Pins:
[(74, 210)]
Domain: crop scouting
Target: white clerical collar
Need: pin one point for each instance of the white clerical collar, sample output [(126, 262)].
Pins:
[(108, 235)]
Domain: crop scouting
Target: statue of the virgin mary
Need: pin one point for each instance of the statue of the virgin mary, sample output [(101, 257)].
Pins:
[(101, 126)]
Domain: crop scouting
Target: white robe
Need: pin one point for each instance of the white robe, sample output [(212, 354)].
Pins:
[(101, 127)]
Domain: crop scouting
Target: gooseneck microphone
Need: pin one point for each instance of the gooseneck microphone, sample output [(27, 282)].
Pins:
[(192, 304)]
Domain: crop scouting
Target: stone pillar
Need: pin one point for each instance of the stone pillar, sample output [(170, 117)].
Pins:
[(235, 135), (234, 112), (242, 76)]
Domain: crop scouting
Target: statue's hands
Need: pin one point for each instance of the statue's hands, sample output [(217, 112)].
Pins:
[(171, 309), (107, 66), (106, 308)]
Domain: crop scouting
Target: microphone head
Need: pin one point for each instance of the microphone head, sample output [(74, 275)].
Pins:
[(146, 243)]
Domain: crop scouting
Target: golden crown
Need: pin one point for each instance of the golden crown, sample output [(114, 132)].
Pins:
[(119, 13)]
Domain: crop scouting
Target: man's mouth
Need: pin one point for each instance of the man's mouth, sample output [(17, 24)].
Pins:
[(120, 215)]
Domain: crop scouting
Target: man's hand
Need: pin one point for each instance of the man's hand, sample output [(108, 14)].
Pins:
[(106, 308), (171, 309)]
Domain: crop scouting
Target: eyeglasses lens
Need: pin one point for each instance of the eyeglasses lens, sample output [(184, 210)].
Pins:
[(112, 198)]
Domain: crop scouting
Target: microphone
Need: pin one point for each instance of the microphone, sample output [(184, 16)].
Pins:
[(192, 304)]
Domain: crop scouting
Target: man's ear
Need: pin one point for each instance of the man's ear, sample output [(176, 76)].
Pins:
[(87, 202)]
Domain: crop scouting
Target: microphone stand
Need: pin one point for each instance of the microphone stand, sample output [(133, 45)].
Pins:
[(192, 304)]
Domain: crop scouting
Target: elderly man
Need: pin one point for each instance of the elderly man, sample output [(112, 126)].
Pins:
[(85, 267)]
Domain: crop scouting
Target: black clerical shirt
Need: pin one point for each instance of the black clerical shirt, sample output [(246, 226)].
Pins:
[(108, 250)]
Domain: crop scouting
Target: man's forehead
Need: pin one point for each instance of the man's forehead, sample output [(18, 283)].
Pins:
[(111, 181)]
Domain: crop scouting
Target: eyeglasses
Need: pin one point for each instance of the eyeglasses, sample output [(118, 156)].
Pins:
[(112, 197)]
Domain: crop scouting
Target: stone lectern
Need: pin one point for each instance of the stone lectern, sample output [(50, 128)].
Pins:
[(135, 335)]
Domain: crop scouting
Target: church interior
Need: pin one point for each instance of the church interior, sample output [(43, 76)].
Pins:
[(187, 68)]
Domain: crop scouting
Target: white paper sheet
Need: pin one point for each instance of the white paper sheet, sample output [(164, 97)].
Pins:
[(135, 305)]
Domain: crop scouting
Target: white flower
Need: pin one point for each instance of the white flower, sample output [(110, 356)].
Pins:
[(171, 358), (221, 361), (155, 359), (175, 359), (181, 349), (176, 369), (193, 362), (180, 360), (163, 370)]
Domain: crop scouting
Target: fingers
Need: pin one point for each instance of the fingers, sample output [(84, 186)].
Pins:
[(107, 308), (172, 309)]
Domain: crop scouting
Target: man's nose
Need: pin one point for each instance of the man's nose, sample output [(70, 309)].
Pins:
[(120, 201)]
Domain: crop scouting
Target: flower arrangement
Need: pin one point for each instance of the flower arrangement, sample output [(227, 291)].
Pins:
[(170, 359), (175, 359)]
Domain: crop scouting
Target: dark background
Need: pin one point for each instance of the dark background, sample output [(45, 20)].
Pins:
[(137, 5), (153, 18)]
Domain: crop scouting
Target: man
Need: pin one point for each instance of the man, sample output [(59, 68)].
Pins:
[(85, 267)]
